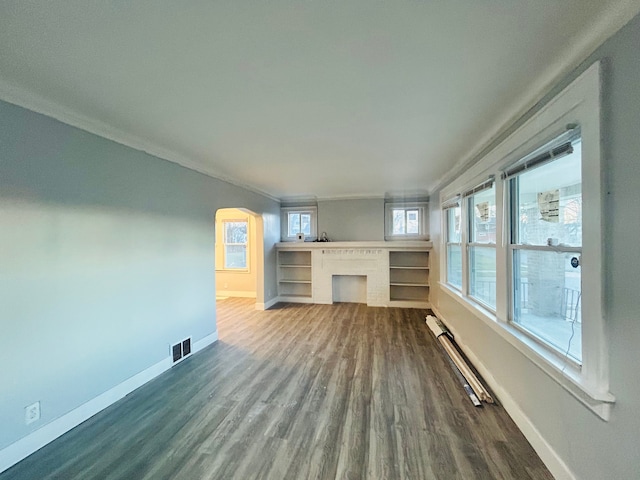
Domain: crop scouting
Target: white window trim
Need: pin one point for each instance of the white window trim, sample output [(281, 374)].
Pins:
[(423, 212), (447, 243), (284, 222), (579, 103), (468, 244), (224, 268)]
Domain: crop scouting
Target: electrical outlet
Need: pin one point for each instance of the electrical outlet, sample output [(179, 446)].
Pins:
[(32, 413)]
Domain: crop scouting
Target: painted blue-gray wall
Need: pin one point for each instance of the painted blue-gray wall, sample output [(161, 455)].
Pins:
[(106, 258), (352, 219), (590, 447)]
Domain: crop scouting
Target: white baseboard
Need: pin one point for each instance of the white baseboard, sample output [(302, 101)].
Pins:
[(547, 454), (33, 442), (235, 293), (205, 342), (267, 305)]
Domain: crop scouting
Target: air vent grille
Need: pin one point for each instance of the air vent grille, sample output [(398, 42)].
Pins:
[(181, 350)]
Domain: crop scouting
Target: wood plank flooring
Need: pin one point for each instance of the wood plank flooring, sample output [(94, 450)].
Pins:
[(298, 392)]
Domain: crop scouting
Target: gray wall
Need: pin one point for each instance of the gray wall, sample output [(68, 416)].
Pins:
[(590, 447), (106, 258), (352, 220)]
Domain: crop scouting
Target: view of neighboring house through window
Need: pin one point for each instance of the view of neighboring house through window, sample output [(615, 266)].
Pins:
[(546, 247), (235, 244), (482, 245), (454, 246)]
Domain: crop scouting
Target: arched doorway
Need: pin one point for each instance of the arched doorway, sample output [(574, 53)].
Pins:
[(239, 255)]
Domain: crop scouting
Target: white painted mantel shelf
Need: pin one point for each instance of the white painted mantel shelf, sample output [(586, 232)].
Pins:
[(397, 273)]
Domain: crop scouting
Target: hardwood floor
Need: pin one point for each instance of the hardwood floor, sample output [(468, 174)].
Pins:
[(298, 392)]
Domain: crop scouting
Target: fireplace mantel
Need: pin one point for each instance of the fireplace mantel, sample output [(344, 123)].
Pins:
[(397, 273)]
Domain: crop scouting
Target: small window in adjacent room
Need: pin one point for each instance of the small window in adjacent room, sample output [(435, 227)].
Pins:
[(406, 221), (297, 220), (235, 244)]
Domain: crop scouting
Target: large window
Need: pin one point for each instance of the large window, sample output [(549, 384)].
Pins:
[(546, 248), (481, 208), (525, 254), (235, 244), (406, 221), (454, 245), (470, 228)]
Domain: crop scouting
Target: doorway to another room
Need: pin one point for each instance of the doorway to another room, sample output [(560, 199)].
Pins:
[(239, 256)]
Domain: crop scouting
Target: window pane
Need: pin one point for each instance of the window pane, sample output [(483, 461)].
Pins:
[(398, 221), (305, 221), (294, 224), (235, 232), (482, 281), (454, 265), (546, 298), (549, 202), (413, 225), (453, 225), (483, 216), (235, 256)]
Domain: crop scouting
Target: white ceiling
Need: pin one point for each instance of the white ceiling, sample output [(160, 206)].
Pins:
[(298, 97)]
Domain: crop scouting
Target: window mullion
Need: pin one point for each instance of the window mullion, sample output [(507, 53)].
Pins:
[(464, 240), (503, 265)]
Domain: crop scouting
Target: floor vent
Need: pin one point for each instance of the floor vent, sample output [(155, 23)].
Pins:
[(181, 350)]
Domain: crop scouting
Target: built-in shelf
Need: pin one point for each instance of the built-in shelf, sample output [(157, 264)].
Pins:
[(409, 276), (397, 273), (294, 273)]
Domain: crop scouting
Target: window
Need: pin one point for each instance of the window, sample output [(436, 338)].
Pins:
[(235, 244), (546, 247), (525, 237), (454, 246), (481, 206), (406, 221), (297, 220)]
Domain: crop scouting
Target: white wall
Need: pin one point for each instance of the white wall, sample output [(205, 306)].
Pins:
[(106, 258), (352, 219), (589, 447)]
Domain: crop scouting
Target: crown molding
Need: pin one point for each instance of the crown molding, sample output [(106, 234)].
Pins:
[(616, 16), (39, 104), (329, 198)]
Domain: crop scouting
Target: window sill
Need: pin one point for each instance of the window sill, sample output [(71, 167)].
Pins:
[(233, 270), (395, 238), (295, 239), (598, 399)]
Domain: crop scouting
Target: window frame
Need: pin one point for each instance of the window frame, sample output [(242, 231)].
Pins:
[(225, 268), (284, 222), (514, 244), (469, 243), (577, 105), (423, 220), (448, 243)]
